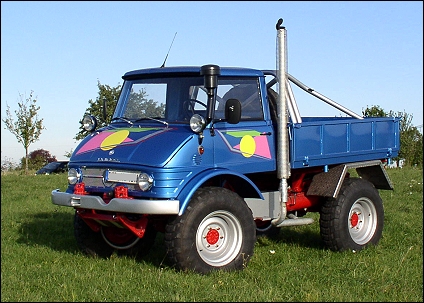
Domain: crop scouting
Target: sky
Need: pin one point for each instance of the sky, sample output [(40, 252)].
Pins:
[(357, 53)]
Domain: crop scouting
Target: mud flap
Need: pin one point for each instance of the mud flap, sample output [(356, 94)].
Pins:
[(328, 184)]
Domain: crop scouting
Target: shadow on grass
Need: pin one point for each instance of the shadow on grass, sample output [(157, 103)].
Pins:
[(50, 229), (56, 231), (301, 236)]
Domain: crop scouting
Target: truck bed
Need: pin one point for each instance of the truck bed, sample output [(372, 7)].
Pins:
[(318, 141)]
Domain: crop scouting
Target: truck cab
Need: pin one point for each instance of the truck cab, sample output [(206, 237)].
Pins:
[(160, 130)]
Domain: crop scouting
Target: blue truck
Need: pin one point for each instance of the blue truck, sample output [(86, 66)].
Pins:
[(213, 157)]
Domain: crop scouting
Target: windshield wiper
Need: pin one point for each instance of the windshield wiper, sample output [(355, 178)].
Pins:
[(154, 119), (122, 118)]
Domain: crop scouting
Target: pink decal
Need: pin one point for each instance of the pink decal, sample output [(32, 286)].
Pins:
[(96, 141), (262, 147)]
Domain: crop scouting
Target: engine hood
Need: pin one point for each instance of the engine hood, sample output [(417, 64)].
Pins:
[(134, 145)]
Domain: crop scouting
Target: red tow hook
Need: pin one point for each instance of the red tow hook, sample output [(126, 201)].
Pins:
[(95, 220), (121, 192), (79, 189)]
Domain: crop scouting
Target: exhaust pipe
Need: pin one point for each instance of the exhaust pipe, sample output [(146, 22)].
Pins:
[(283, 166)]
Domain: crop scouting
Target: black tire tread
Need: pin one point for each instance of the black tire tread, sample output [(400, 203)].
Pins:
[(331, 223), (181, 257), (89, 242)]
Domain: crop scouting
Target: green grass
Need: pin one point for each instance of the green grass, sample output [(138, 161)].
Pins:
[(41, 262)]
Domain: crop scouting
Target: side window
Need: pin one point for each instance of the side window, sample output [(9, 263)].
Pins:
[(198, 93), (247, 92), (197, 100)]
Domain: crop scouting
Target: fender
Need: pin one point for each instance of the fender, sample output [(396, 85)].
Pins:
[(328, 184), (248, 188)]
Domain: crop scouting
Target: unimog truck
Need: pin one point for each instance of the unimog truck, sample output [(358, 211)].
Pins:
[(214, 156)]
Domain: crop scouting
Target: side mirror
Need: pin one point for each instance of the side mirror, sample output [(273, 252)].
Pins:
[(233, 111)]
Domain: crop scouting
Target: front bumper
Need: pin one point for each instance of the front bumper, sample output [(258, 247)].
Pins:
[(135, 206)]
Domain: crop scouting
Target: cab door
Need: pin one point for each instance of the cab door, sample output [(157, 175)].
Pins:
[(248, 146)]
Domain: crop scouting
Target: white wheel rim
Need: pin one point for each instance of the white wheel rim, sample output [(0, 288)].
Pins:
[(219, 238), (362, 221)]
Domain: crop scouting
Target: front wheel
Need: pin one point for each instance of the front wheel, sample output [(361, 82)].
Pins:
[(108, 239), (90, 242), (354, 219), (217, 231)]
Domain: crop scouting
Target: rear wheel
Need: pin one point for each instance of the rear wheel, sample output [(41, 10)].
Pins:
[(217, 231), (354, 219)]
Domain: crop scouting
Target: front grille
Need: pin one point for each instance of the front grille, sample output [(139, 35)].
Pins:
[(166, 183), (95, 177)]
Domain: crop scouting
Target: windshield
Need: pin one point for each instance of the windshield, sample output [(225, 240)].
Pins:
[(176, 99)]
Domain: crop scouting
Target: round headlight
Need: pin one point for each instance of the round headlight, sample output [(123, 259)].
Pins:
[(197, 123), (144, 181), (73, 176), (89, 123)]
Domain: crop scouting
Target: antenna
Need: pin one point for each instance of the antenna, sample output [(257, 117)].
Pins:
[(163, 64)]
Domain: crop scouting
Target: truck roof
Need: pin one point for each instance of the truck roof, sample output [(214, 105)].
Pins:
[(190, 71)]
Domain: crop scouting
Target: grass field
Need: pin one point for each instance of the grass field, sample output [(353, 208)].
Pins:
[(41, 262)]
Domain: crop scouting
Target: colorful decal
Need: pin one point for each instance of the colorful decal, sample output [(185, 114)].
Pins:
[(109, 139), (115, 139), (251, 143), (247, 146)]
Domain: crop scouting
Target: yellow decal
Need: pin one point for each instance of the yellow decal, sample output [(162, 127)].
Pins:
[(247, 146), (114, 139)]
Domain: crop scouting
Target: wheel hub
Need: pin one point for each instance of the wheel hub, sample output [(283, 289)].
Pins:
[(212, 236), (354, 219)]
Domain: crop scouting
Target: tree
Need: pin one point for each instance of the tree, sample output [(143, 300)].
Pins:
[(7, 164), (38, 158), (374, 111), (27, 129), (138, 106), (411, 140), (107, 94), (68, 154)]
